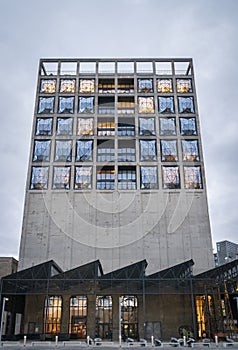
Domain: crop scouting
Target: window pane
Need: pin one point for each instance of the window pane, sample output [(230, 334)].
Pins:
[(126, 178), (171, 177), (184, 85), (148, 177), (63, 151), (167, 126), (164, 85), (86, 105), (192, 177), (67, 85), (145, 85), (169, 150), (39, 178), (105, 151), (41, 151), (66, 105), (52, 314), (147, 150), (190, 150), (105, 178), (83, 177), (166, 104), (64, 126), (48, 86), (84, 151), (61, 179), (78, 317), (188, 126), (146, 104), (46, 105), (86, 85), (43, 126), (186, 104), (146, 126), (85, 126)]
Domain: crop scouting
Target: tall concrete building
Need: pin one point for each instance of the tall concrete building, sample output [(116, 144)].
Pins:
[(116, 168), (226, 251)]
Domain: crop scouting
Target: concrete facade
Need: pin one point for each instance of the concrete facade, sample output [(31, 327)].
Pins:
[(139, 190), (8, 265)]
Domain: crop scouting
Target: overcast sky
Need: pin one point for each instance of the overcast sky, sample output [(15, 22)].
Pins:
[(206, 30)]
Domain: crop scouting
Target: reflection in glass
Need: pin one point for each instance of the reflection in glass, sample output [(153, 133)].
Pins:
[(146, 104), (169, 150), (39, 178), (167, 126), (146, 126), (105, 178), (188, 126), (86, 85), (186, 104), (66, 105), (67, 85), (184, 85), (192, 177), (147, 150), (61, 179), (63, 150), (148, 177), (83, 177), (170, 177), (43, 126), (86, 105), (85, 126), (46, 105), (41, 151), (126, 178), (164, 85), (166, 104), (48, 86), (190, 150), (64, 126), (145, 85), (84, 151)]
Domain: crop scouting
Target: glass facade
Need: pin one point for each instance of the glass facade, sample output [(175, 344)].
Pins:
[(123, 116)]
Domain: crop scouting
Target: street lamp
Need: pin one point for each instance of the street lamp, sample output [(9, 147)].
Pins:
[(3, 309)]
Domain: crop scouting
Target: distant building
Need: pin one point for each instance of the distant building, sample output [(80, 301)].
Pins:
[(8, 265), (226, 251)]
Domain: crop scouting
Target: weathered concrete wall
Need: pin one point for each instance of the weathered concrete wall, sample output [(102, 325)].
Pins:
[(8, 265)]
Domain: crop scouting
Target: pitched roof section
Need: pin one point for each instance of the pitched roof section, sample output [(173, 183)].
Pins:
[(183, 270), (133, 271), (89, 271)]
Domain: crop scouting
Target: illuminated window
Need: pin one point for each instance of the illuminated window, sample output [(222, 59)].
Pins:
[(148, 177), (66, 105), (145, 85), (170, 177), (105, 151), (167, 126), (106, 86), (186, 104), (84, 152), (169, 150), (104, 317), (148, 150), (86, 105), (106, 105), (85, 126), (67, 85), (46, 105), (129, 315), (52, 314), (39, 178), (184, 85), (41, 151), (64, 126), (86, 85), (43, 126), (126, 151), (83, 177), (126, 126), (78, 317), (48, 86), (146, 104), (166, 104), (126, 178), (188, 126), (106, 178), (106, 127), (190, 150), (125, 105), (63, 150), (125, 86), (164, 85), (146, 126), (61, 179), (192, 177)]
